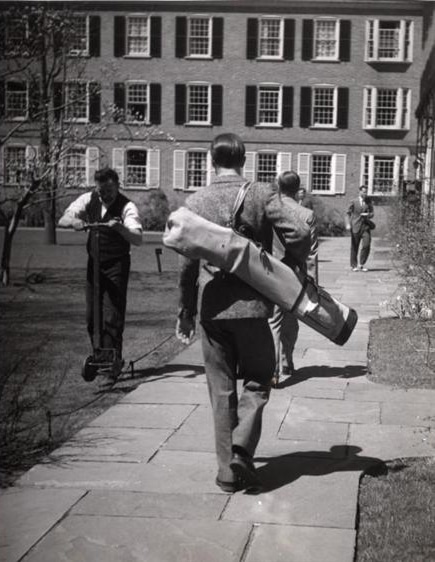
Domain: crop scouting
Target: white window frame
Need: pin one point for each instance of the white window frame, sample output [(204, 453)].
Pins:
[(280, 54), (405, 54), (10, 45), (26, 110), (210, 36), (400, 160), (147, 116), (403, 109), (91, 155), (279, 89), (180, 163), (209, 101), (31, 153), (147, 51), (119, 163), (332, 125), (67, 102), (338, 172), (81, 52), (336, 55)]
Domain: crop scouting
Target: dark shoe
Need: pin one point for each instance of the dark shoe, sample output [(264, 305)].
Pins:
[(244, 468), (228, 487)]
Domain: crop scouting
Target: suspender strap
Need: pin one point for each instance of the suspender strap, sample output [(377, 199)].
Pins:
[(239, 202)]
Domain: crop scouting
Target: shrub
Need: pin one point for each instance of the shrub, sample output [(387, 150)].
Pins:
[(154, 210), (330, 221)]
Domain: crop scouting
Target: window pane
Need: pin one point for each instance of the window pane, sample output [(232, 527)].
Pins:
[(137, 36), (137, 102), (16, 33), (266, 168), (79, 35), (386, 108), (136, 167), (323, 106), (198, 104), (75, 167), (325, 40), (76, 100), (199, 36), (15, 165), (383, 175), (270, 38), (196, 169), (16, 99), (268, 106), (321, 173), (389, 39)]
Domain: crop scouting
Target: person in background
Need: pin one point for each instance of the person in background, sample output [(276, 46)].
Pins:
[(359, 215), (121, 227), (235, 335), (301, 197), (283, 324)]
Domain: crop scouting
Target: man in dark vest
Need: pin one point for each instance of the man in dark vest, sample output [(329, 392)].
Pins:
[(122, 227)]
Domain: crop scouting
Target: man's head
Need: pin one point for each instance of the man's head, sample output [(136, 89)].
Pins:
[(363, 192), (228, 151), (300, 194), (107, 181), (289, 183)]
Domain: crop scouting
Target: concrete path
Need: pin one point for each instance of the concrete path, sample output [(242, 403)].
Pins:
[(137, 484)]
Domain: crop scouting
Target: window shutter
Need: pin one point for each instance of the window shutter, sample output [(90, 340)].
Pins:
[(305, 113), (211, 173), (153, 168), (345, 40), (289, 39), (119, 101), (284, 162), (287, 106), (156, 104), (180, 37), (94, 36), (304, 170), (119, 37), (218, 38), (252, 39), (307, 39), (180, 104), (249, 168), (2, 97), (92, 164), (156, 36), (58, 100), (179, 169), (216, 104), (118, 156), (32, 157), (339, 173), (94, 102), (251, 106), (343, 108)]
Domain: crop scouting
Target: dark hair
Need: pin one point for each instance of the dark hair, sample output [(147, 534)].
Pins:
[(289, 182), (106, 174), (228, 151)]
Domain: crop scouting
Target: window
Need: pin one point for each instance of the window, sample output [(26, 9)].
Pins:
[(383, 174), (198, 104), (323, 173), (270, 38), (138, 36), (16, 35), (326, 39), (196, 169), (16, 102), (269, 105), (266, 165), (192, 169), (386, 108), (137, 102), (15, 165), (76, 101), (137, 168), (324, 106), (79, 35), (389, 40), (75, 167), (199, 37)]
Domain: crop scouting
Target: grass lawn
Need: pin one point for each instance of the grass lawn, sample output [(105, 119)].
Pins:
[(397, 507), (43, 344)]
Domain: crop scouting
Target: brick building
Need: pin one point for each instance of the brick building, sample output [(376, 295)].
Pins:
[(323, 87)]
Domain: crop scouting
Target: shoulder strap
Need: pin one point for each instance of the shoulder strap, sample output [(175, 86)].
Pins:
[(239, 202)]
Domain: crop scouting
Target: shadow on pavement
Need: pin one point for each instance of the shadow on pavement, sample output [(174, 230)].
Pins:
[(323, 371), (285, 469)]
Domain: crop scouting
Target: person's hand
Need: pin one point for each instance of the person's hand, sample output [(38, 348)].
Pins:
[(78, 224), (185, 329), (113, 223), (347, 226)]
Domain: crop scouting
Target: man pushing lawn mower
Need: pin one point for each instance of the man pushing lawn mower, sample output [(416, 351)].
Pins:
[(114, 224)]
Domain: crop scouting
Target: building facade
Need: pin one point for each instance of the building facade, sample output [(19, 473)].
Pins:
[(328, 89)]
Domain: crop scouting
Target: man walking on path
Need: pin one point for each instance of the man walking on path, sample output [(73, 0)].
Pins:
[(236, 339), (360, 225)]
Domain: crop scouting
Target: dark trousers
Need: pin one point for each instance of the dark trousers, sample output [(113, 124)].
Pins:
[(237, 349), (113, 300), (362, 238)]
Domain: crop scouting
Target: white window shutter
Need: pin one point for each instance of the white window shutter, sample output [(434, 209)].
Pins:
[(179, 169), (32, 156), (396, 174), (249, 168), (211, 173), (118, 156), (304, 161), (92, 164), (339, 173), (284, 162), (153, 171)]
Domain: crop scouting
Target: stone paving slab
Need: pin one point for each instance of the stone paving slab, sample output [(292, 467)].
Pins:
[(116, 539), (144, 416), (27, 515), (334, 410), (319, 431), (326, 449), (163, 393), (151, 504), (192, 355), (407, 413), (177, 372), (372, 392), (287, 543)]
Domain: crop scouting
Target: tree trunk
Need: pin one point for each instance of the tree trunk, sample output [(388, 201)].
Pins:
[(49, 228)]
